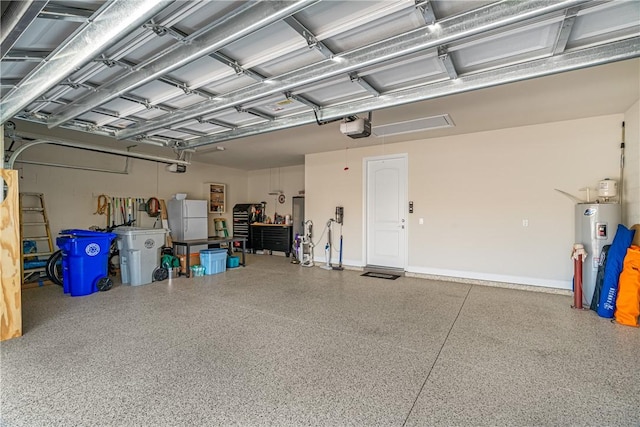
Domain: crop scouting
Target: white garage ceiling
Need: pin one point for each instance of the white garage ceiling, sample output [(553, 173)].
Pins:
[(246, 75)]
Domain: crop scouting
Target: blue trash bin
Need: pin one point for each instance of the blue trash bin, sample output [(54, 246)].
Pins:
[(63, 242), (85, 258)]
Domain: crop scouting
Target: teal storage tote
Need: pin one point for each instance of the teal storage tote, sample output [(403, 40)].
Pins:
[(213, 260), (233, 261)]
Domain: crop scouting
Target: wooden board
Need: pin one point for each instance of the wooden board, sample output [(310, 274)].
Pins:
[(42, 282), (10, 273)]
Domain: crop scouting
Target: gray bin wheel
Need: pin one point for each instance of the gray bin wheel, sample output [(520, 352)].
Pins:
[(160, 274), (104, 284)]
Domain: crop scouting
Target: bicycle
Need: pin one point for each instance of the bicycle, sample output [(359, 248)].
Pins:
[(53, 267)]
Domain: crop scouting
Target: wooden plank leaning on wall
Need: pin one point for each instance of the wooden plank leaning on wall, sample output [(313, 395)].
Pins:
[(11, 308)]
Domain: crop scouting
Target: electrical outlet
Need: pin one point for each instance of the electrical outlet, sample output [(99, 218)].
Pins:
[(421, 221), (525, 222)]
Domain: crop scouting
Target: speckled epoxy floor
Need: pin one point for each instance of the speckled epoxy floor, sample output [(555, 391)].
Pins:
[(278, 344)]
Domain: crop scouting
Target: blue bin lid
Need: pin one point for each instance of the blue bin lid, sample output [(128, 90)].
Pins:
[(75, 233), (82, 233), (213, 251)]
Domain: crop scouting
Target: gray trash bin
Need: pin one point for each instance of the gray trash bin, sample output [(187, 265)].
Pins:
[(140, 251)]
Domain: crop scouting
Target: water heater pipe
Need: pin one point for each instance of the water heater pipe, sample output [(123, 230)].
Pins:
[(622, 166), (577, 282), (578, 255)]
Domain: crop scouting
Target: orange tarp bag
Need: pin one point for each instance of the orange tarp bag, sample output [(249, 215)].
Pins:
[(628, 300)]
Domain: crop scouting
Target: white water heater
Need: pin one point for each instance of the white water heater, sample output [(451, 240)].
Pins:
[(596, 225)]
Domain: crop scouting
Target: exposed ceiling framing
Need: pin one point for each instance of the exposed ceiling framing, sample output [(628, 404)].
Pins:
[(191, 74)]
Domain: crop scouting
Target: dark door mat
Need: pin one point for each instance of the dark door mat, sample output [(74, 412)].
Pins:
[(380, 275)]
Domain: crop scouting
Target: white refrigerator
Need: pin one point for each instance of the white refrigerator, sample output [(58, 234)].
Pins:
[(188, 220)]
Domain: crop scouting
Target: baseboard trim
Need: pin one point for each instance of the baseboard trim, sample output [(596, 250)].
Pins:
[(561, 287), (495, 280)]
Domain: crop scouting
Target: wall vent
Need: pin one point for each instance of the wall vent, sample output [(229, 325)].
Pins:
[(418, 125)]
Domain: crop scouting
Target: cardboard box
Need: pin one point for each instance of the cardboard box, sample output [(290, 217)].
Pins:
[(636, 237), (194, 259)]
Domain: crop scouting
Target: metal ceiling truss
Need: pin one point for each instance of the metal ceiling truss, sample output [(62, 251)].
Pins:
[(113, 22), (458, 27), (15, 20), (92, 128), (9, 83), (427, 12), (356, 78), (309, 37), (236, 27), (447, 62), (237, 67), (568, 61), (441, 40), (99, 110), (313, 42), (254, 112), (65, 13), (565, 30), (26, 55), (216, 122), (301, 99), (185, 9)]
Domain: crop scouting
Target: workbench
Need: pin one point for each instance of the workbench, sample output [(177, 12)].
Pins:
[(209, 241), (272, 237)]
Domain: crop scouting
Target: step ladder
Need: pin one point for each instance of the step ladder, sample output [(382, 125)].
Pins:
[(35, 233), (221, 227)]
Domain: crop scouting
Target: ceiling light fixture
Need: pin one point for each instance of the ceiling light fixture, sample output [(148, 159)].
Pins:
[(411, 126)]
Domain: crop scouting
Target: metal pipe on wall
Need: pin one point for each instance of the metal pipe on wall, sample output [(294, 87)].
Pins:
[(59, 165), (158, 159), (621, 184)]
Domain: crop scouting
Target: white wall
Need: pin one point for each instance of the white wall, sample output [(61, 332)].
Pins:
[(474, 191), (71, 195), (631, 187), (261, 182)]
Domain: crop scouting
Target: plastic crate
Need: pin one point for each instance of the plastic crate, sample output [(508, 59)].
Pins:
[(233, 261), (213, 260)]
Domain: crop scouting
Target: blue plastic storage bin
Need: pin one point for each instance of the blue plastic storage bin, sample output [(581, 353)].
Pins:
[(85, 258), (233, 261), (213, 260)]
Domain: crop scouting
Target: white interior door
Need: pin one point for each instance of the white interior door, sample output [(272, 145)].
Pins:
[(386, 211)]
